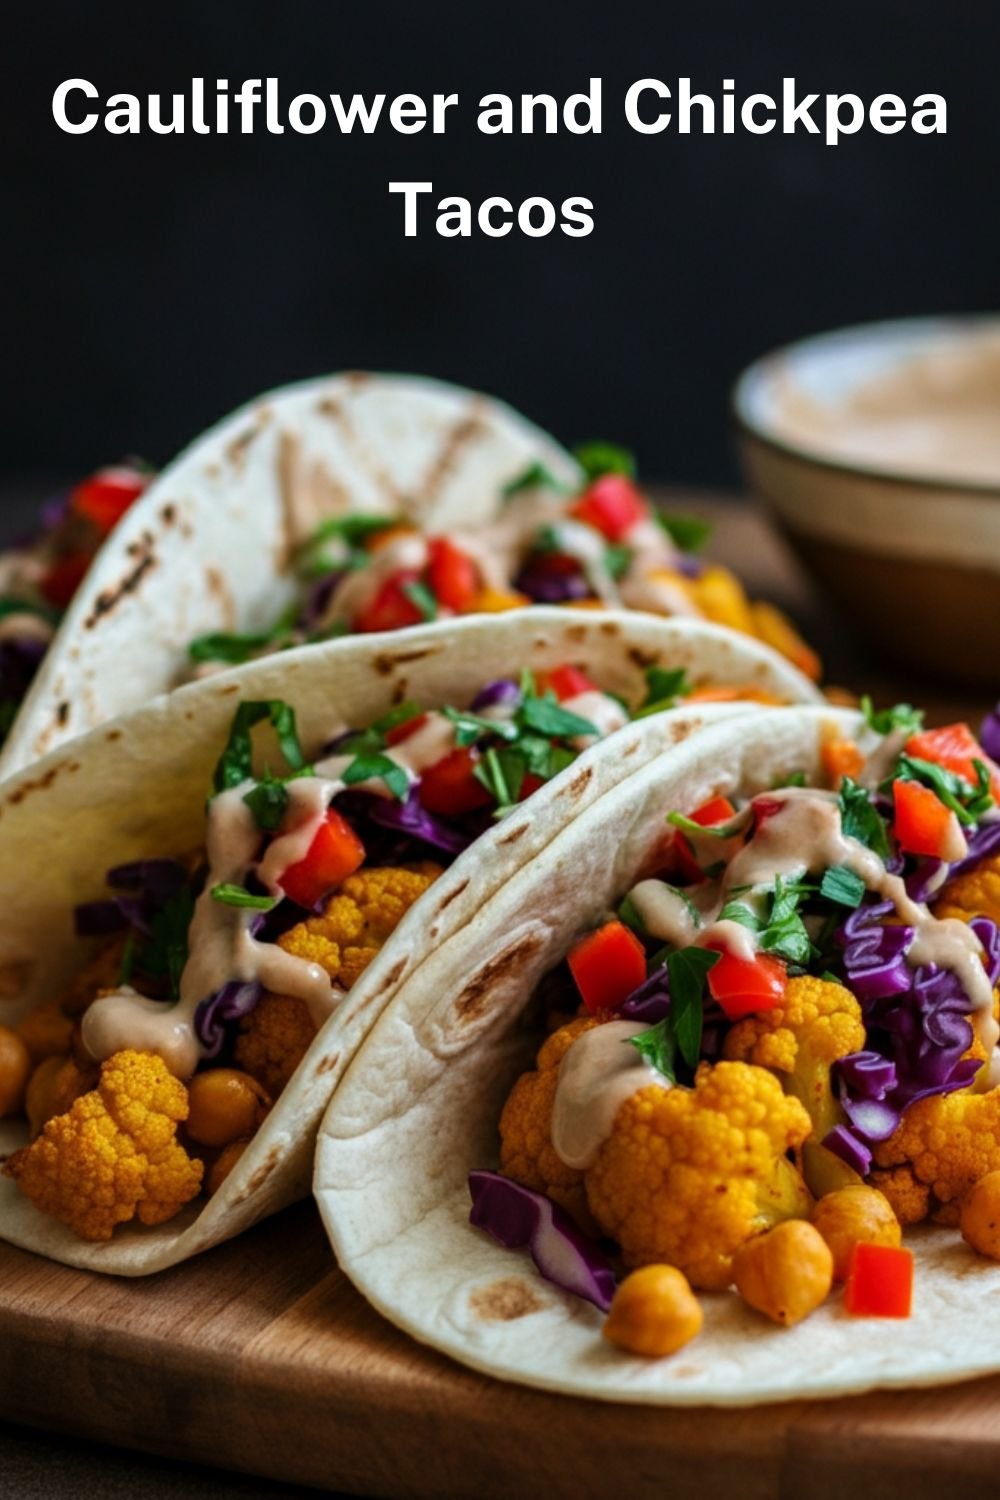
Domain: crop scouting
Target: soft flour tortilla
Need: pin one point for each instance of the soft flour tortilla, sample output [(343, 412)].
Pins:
[(208, 547), (398, 1142), (136, 788)]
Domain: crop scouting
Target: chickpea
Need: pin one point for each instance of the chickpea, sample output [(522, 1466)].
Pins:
[(54, 1085), (224, 1104), (855, 1216), (15, 1068), (46, 1033), (224, 1164), (979, 1217), (785, 1273), (654, 1312)]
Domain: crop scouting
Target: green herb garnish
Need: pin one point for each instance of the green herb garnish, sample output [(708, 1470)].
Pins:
[(238, 895), (664, 685), (421, 598), (268, 801), (966, 801), (860, 819), (843, 886), (365, 767), (598, 458), (535, 476), (686, 532), (236, 762), (235, 649), (885, 720)]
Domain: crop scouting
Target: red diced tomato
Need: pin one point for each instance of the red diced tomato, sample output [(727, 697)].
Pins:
[(879, 1282), (105, 497), (401, 732), (955, 747), (452, 576), (335, 852), (450, 787), (530, 784), (565, 682), (607, 966), (612, 505), (391, 608), (922, 824), (744, 985), (64, 578)]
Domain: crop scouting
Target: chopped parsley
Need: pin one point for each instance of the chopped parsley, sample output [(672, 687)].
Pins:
[(535, 476), (268, 801), (372, 765), (421, 598), (664, 685), (860, 818), (842, 886), (238, 895), (598, 458), (885, 720), (680, 1031), (235, 649), (966, 801), (781, 931), (236, 762), (686, 532)]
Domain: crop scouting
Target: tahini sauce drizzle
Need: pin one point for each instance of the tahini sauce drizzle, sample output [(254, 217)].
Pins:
[(597, 1074)]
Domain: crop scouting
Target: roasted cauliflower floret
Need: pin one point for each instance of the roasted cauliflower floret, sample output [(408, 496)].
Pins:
[(975, 894), (909, 1199), (817, 1022), (689, 1175), (947, 1142), (114, 1155), (526, 1150), (273, 1040), (365, 911)]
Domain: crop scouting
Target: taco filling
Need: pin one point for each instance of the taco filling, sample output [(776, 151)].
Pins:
[(602, 545), (40, 574), (791, 1021), (216, 969)]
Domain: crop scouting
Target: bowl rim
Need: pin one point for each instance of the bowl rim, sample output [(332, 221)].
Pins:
[(746, 426)]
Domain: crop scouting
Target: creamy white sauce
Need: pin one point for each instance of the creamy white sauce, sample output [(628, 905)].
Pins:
[(358, 589), (598, 709), (598, 1072)]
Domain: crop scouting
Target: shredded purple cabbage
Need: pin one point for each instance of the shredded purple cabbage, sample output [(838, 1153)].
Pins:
[(157, 878), (316, 600), (989, 733), (413, 819), (983, 842), (649, 1001), (546, 587), (874, 955), (515, 1217), (236, 999), (147, 884), (502, 690), (845, 1144)]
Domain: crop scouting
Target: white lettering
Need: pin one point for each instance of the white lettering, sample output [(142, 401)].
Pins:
[(62, 119)]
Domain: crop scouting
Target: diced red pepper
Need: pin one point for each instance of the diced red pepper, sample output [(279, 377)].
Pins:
[(922, 824), (335, 852), (450, 787), (400, 732), (745, 985), (391, 608), (607, 966), (105, 497), (530, 784), (879, 1282), (64, 578), (565, 682), (612, 505), (452, 576), (715, 810), (765, 807), (955, 747)]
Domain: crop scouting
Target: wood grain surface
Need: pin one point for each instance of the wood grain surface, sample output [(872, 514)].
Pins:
[(259, 1356)]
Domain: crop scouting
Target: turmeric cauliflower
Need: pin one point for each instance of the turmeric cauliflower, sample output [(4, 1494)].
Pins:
[(273, 1040), (365, 911), (114, 1156), (816, 1022), (974, 894), (942, 1146), (689, 1175), (526, 1150)]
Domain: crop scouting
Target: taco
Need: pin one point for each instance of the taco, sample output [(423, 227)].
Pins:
[(760, 980), (183, 988), (359, 504)]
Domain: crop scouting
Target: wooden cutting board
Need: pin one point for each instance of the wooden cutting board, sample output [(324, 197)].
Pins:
[(260, 1356)]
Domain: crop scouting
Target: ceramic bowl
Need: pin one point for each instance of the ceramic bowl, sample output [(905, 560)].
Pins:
[(900, 528)]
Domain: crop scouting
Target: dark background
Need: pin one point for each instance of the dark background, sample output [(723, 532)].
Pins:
[(150, 283)]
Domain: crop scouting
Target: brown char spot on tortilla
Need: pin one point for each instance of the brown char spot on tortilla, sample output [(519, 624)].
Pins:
[(453, 895), (504, 1301), (218, 589), (236, 448), (62, 712), (42, 784), (262, 1173), (610, 628), (474, 998), (513, 834), (112, 735), (642, 659), (577, 633), (108, 600), (387, 661), (168, 513), (461, 434), (327, 1064), (580, 782)]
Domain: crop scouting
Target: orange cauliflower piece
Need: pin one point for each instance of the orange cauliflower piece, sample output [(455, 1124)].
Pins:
[(114, 1156), (526, 1150), (948, 1142), (909, 1199), (273, 1040), (365, 911), (689, 1175), (816, 1022), (974, 894)]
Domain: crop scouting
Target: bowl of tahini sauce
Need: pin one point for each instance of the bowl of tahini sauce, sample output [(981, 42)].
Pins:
[(878, 450)]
